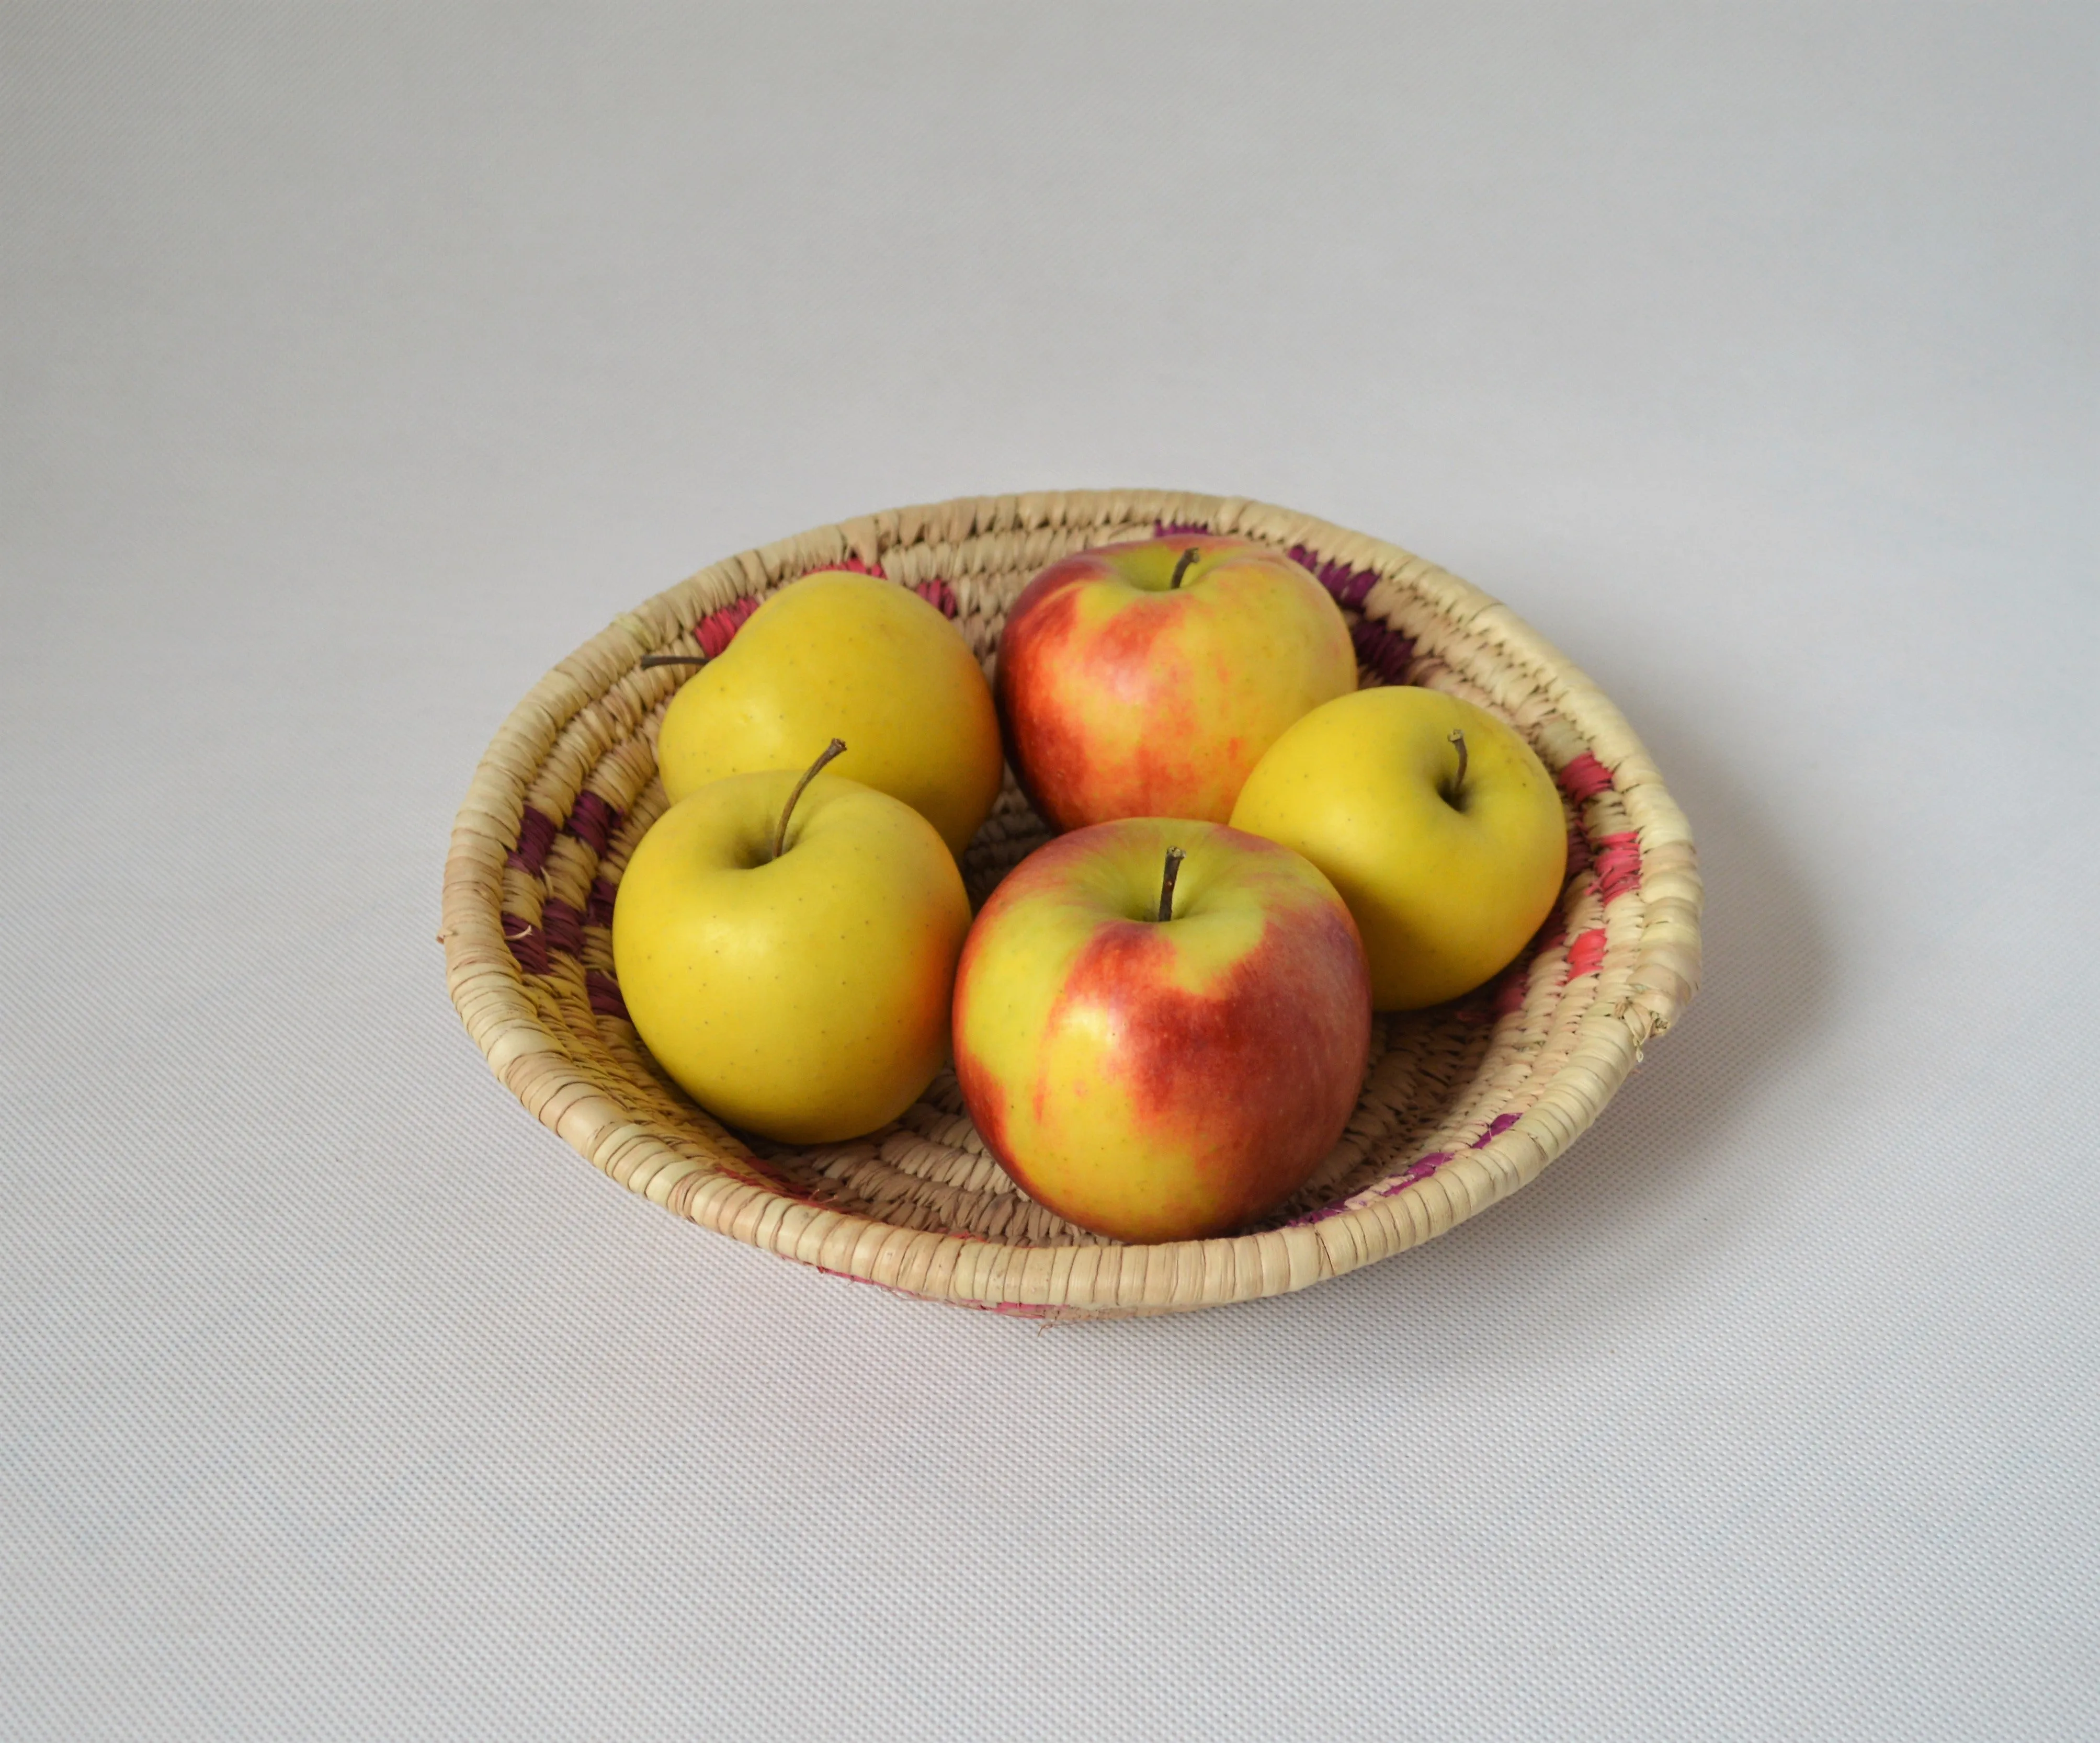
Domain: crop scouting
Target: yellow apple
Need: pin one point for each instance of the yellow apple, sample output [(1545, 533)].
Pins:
[(865, 658), (1146, 679), (1435, 821), (802, 992), (1162, 1064)]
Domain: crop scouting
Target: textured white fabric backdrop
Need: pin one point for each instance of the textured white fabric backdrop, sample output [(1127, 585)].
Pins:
[(357, 363)]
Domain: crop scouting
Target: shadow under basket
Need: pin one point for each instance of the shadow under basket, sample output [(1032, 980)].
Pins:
[(1461, 1105)]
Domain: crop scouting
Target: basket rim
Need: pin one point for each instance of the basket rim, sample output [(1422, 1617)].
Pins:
[(488, 987)]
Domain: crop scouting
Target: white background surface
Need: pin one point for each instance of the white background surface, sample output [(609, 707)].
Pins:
[(359, 362)]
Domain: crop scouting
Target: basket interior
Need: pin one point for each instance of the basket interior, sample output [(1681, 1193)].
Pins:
[(1460, 1105), (1439, 1083)]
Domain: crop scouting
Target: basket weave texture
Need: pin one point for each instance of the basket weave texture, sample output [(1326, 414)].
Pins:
[(1461, 1105)]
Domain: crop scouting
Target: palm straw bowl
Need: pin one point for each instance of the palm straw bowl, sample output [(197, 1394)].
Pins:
[(1461, 1105)]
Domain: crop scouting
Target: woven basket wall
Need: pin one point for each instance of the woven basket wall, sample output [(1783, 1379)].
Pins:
[(1461, 1106)]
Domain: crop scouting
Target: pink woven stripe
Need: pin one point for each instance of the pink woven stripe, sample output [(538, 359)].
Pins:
[(1419, 1170), (1618, 861), (598, 910), (1586, 955), (1585, 777), (715, 631), (1509, 994), (940, 595)]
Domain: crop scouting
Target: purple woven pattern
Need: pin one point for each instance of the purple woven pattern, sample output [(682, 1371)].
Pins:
[(1385, 651), (593, 821), (603, 991), (535, 834), (1349, 586), (563, 925), (528, 943), (1379, 648), (560, 927)]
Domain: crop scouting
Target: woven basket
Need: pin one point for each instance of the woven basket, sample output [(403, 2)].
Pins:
[(1461, 1106)]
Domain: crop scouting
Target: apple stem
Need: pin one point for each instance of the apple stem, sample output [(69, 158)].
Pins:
[(1174, 856), (648, 660), (1458, 780), (780, 835), (1181, 568)]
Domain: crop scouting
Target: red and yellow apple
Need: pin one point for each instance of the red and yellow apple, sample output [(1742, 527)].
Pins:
[(1147, 679), (1162, 1069), (790, 961), (1436, 822), (860, 657)]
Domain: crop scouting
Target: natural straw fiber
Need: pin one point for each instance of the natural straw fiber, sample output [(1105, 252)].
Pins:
[(1461, 1105)]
